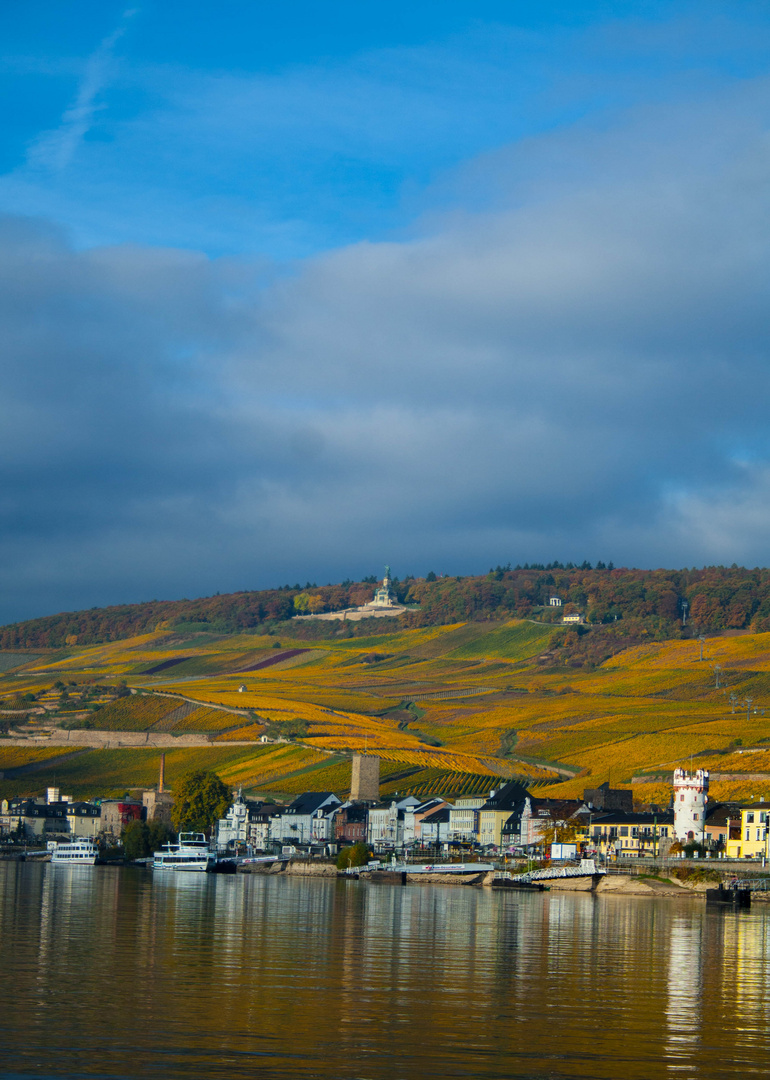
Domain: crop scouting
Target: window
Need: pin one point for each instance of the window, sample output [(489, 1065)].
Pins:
[(664, 830), (763, 818), (759, 834), (624, 830), (681, 798), (748, 834), (749, 819)]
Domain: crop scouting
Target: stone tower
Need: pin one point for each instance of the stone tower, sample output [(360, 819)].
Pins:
[(690, 798), (365, 786)]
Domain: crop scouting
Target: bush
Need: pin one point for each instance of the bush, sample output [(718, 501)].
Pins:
[(355, 855), (142, 838)]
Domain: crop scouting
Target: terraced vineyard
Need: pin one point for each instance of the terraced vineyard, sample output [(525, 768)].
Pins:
[(563, 727)]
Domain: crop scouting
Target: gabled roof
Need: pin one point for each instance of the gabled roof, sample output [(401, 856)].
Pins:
[(558, 809), (310, 801), (426, 805), (506, 797), (438, 817), (718, 813)]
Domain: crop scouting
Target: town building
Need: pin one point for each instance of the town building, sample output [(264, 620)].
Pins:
[(386, 822), (157, 805), (309, 818), (536, 822), (464, 819), (607, 798), (350, 823), (260, 826), (752, 840), (52, 815), (723, 823), (246, 823), (414, 817), (622, 835), (690, 798), (118, 813), (434, 828), (494, 813)]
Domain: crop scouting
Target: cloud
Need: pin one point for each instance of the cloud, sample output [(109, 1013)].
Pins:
[(576, 367), (55, 150)]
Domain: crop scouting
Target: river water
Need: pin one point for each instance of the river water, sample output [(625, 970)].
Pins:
[(115, 972)]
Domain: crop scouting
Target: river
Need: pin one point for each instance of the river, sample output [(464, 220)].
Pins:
[(112, 972)]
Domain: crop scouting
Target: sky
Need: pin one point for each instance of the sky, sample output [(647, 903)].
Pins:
[(289, 292)]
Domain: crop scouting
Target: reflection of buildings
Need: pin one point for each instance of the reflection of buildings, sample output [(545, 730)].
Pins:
[(685, 986)]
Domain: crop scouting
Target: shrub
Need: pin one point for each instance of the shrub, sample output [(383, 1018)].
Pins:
[(355, 855)]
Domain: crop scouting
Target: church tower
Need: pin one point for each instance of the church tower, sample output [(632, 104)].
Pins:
[(690, 798)]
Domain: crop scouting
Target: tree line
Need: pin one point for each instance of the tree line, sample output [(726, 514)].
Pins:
[(664, 602)]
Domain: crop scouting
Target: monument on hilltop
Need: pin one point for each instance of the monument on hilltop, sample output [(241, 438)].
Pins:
[(385, 604), (384, 596)]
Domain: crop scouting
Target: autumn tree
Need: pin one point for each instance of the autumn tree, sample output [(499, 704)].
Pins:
[(200, 799)]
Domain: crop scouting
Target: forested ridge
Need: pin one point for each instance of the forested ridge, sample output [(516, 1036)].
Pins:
[(635, 602)]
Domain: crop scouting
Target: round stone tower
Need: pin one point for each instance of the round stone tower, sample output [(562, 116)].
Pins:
[(690, 798)]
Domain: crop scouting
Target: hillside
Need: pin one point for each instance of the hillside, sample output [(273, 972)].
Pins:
[(631, 605), (449, 708)]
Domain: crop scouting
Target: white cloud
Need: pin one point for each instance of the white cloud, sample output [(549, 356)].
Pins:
[(55, 150), (524, 383)]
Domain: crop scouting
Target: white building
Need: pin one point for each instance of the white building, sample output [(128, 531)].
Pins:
[(310, 817), (386, 822), (233, 827), (555, 601), (690, 798), (464, 819), (415, 815)]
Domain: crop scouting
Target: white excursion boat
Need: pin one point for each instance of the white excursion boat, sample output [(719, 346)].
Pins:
[(191, 854), (79, 853)]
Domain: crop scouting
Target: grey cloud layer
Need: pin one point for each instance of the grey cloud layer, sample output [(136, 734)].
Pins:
[(578, 373)]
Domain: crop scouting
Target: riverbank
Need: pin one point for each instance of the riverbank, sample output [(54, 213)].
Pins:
[(670, 887)]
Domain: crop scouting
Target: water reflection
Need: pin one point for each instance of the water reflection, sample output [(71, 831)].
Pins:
[(119, 973)]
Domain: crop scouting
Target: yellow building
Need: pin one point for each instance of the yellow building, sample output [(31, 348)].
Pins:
[(752, 842), (619, 834), (497, 810)]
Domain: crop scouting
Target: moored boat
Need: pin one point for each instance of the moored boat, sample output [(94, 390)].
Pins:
[(190, 854), (78, 853)]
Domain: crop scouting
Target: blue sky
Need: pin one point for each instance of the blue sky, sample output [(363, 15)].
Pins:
[(292, 291)]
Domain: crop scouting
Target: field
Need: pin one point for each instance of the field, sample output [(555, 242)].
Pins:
[(450, 708)]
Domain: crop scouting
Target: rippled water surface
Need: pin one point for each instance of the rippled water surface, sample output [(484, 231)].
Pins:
[(111, 972)]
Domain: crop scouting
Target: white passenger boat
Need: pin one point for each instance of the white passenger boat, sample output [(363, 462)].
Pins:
[(191, 854), (79, 853)]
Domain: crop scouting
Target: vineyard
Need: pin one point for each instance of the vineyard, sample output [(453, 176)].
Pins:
[(135, 713), (510, 704)]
